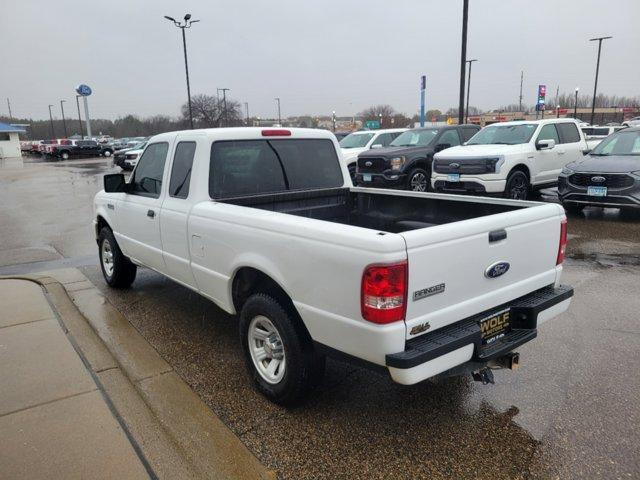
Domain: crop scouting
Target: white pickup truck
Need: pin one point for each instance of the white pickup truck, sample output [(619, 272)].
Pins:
[(510, 158), (266, 224)]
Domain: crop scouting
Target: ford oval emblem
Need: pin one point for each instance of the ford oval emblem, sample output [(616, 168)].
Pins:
[(454, 165), (367, 164), (598, 179), (497, 269)]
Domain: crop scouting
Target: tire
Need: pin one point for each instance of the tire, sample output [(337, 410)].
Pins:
[(573, 207), (118, 271), (418, 180), (517, 186), (64, 155), (298, 368), (107, 153), (352, 173)]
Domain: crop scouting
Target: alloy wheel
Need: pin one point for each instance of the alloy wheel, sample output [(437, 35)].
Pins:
[(266, 349)]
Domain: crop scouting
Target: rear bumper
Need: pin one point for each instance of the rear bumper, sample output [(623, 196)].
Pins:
[(448, 347)]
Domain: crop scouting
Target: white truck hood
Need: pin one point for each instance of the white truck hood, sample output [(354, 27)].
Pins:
[(474, 151), (351, 154)]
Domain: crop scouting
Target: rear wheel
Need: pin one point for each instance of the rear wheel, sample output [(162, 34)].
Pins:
[(107, 153), (517, 186), (118, 270), (278, 351), (418, 180), (65, 155)]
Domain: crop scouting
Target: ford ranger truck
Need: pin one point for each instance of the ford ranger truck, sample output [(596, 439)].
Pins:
[(265, 223), (510, 159)]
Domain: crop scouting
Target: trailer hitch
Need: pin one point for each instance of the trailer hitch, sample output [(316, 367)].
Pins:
[(484, 375)]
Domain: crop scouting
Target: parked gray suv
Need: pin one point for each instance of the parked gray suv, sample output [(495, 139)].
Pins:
[(609, 176)]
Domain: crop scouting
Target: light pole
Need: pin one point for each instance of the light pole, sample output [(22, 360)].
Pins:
[(246, 109), (575, 104), (380, 115), (463, 59), (521, 80), (64, 122), (595, 85), (469, 89), (333, 118), (79, 117), (182, 25), (558, 111), (53, 133), (277, 99), (224, 105)]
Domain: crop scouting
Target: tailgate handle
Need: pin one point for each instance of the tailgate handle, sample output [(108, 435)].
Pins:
[(497, 235)]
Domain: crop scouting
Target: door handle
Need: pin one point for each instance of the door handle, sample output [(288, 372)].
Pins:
[(151, 213), (561, 152)]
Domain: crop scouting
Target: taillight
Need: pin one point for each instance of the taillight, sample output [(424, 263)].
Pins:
[(276, 133), (384, 292), (562, 247)]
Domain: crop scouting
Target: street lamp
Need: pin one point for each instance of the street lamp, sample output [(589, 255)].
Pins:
[(79, 117), (380, 115), (224, 105), (575, 104), (64, 122), (469, 89), (334, 120), (595, 85), (558, 111), (182, 25), (53, 133), (246, 108), (277, 99), (463, 59)]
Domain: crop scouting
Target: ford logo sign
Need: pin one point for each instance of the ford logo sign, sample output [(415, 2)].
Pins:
[(497, 269), (368, 164), (454, 165), (598, 179)]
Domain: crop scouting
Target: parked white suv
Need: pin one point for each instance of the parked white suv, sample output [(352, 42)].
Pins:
[(510, 158), (357, 142)]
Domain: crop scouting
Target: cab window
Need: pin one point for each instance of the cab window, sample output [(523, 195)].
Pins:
[(569, 132), (449, 137), (181, 169), (147, 177), (549, 132)]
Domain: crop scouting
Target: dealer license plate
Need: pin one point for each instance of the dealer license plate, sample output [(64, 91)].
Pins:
[(495, 326), (453, 177), (366, 178), (597, 191)]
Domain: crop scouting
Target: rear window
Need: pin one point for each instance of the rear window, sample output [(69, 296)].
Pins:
[(252, 167), (568, 132), (595, 131)]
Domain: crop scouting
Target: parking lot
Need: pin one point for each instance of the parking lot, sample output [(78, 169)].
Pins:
[(570, 411)]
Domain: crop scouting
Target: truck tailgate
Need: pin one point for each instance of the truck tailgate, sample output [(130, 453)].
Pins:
[(447, 264)]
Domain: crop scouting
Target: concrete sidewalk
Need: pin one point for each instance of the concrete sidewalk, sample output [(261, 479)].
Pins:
[(55, 418)]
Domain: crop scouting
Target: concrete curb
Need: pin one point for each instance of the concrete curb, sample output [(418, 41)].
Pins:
[(178, 434)]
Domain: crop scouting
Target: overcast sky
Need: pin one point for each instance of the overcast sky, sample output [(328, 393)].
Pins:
[(318, 56)]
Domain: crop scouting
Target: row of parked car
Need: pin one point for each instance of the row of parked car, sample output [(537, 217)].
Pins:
[(64, 148), (510, 159)]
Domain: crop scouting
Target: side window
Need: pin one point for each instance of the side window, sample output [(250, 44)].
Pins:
[(147, 177), (181, 169), (383, 139), (569, 132), (467, 133), (450, 137), (394, 135), (549, 132)]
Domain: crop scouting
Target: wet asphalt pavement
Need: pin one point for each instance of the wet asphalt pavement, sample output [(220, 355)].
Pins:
[(571, 411)]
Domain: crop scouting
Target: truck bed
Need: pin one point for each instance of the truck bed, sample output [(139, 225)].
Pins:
[(393, 213)]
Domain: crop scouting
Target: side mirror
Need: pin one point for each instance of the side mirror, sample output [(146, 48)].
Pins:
[(377, 145), (115, 183), (586, 151), (442, 146), (545, 144)]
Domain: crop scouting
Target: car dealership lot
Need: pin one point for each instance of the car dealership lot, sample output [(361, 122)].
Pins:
[(570, 411)]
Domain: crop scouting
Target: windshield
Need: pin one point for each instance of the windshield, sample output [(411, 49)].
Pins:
[(139, 146), (415, 138), (356, 140), (504, 134), (621, 143)]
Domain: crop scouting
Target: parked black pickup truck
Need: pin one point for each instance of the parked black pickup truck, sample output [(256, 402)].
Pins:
[(81, 148), (406, 163)]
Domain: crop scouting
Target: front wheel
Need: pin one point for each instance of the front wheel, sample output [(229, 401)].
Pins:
[(517, 186), (118, 270), (65, 155), (107, 153), (418, 180), (278, 351)]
